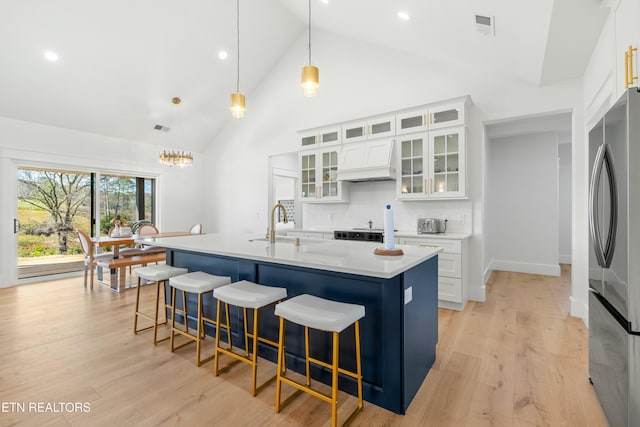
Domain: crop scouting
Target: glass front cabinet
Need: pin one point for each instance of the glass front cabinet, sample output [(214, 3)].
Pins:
[(432, 164), (329, 135), (318, 176), (377, 127)]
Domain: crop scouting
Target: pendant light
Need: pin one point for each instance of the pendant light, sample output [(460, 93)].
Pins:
[(310, 74), (237, 98), (180, 159)]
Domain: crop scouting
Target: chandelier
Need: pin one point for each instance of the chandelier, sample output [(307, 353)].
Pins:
[(180, 159)]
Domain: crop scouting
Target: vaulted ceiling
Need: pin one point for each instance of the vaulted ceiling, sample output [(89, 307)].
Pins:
[(122, 61)]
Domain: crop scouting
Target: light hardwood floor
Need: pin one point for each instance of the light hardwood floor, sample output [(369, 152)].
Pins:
[(518, 359)]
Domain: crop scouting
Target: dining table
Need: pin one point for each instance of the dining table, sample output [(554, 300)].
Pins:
[(117, 276)]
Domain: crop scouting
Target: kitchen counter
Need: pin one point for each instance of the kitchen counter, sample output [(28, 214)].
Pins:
[(399, 332), (334, 255)]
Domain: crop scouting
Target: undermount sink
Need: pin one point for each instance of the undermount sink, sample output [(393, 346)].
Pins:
[(287, 239)]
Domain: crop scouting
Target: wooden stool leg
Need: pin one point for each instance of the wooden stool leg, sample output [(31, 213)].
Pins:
[(173, 316), (216, 355), (306, 355), (255, 352), (246, 332), (135, 316), (184, 306), (280, 358), (199, 330), (334, 381), (358, 365)]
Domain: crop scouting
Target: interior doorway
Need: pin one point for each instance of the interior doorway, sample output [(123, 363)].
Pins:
[(528, 194), (283, 183)]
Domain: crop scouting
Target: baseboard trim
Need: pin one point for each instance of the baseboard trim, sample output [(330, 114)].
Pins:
[(526, 267), (580, 309), (565, 259), (478, 294)]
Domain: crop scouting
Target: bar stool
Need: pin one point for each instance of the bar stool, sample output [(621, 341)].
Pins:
[(325, 315), (247, 295), (160, 274), (197, 282)]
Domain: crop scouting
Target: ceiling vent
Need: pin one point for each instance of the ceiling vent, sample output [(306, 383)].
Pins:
[(162, 128), (485, 24)]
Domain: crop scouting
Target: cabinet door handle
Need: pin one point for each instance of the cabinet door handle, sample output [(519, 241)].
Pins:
[(431, 118), (628, 66), (424, 188), (424, 119), (431, 185), (429, 245), (626, 69)]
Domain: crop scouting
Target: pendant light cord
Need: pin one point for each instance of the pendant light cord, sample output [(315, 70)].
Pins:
[(238, 34), (309, 32)]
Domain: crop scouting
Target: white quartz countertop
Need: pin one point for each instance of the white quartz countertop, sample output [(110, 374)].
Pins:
[(333, 255)]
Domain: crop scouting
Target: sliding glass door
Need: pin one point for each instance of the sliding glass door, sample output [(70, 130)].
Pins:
[(52, 204)]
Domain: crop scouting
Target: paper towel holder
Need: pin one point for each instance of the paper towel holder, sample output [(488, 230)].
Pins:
[(388, 252)]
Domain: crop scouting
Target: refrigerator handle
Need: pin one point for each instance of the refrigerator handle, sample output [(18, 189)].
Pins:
[(594, 223), (613, 197)]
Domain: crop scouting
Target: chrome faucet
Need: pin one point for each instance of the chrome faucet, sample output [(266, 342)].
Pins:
[(272, 230), (370, 224)]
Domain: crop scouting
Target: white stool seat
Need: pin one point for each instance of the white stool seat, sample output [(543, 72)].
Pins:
[(249, 295), (319, 313), (198, 282), (159, 272)]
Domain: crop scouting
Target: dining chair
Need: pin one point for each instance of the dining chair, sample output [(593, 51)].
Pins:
[(196, 229), (149, 230), (91, 260)]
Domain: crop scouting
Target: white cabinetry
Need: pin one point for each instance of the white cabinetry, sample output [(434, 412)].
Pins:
[(376, 127), (432, 117), (452, 290), (627, 41), (432, 165), (318, 176), (328, 135)]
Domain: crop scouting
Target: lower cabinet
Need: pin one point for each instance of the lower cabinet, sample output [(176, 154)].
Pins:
[(452, 292)]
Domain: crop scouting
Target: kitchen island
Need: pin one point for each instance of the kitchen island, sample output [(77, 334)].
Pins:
[(399, 332)]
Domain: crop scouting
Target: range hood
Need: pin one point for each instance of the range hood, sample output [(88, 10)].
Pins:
[(367, 161)]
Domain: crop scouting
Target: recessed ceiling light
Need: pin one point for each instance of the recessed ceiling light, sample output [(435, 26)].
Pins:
[(324, 1), (51, 56), (403, 15), (223, 54)]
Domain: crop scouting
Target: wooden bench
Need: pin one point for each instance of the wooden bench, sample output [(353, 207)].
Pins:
[(123, 263)]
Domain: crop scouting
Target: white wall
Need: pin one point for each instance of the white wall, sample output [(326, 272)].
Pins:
[(564, 203), (29, 144), (522, 204), (356, 80)]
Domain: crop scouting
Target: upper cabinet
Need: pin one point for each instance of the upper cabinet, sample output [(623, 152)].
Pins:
[(626, 41), (318, 176), (328, 135), (422, 148), (431, 117), (376, 127), (432, 165)]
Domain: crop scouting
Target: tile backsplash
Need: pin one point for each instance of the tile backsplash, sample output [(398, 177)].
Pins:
[(367, 202)]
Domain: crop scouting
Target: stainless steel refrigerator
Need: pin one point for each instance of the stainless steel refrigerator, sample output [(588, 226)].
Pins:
[(614, 261)]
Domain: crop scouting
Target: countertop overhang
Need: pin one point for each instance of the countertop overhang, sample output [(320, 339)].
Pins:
[(333, 255)]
